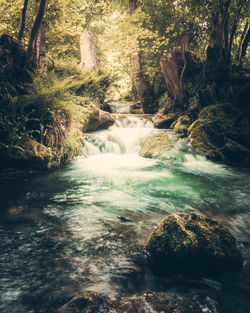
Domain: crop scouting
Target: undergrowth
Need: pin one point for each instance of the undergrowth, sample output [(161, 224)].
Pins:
[(43, 112)]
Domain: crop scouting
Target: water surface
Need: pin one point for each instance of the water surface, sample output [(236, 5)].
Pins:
[(62, 232)]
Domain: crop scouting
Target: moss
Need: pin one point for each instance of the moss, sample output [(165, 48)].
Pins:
[(182, 124), (30, 154), (194, 242), (156, 146), (215, 125), (74, 137)]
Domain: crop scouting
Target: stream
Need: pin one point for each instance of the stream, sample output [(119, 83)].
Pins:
[(84, 227)]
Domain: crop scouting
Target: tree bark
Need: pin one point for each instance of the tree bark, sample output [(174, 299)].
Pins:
[(142, 86), (88, 51), (235, 24), (245, 44), (24, 10), (33, 54), (242, 39), (218, 63)]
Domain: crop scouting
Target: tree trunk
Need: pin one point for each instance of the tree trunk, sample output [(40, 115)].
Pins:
[(24, 10), (36, 52), (242, 40), (245, 44), (142, 86), (235, 25), (40, 49), (88, 51), (218, 63)]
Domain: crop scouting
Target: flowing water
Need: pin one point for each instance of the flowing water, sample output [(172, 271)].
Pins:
[(84, 227), (119, 106)]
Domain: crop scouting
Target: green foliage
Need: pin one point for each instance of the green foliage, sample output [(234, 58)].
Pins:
[(93, 84), (32, 114)]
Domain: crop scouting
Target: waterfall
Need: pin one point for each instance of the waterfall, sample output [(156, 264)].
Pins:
[(126, 136), (119, 107)]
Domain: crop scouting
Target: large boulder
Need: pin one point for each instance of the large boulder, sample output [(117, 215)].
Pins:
[(182, 125), (156, 146), (193, 242), (217, 125), (99, 119), (30, 154)]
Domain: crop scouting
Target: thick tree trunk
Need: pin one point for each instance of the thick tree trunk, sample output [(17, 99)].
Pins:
[(170, 72), (24, 10), (180, 69), (218, 63), (88, 51), (218, 67), (36, 53), (142, 86)]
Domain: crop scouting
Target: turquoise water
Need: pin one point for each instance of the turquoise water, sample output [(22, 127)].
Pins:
[(62, 232)]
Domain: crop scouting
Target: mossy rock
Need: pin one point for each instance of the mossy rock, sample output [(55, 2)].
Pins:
[(182, 125), (99, 119), (156, 146), (195, 243), (216, 124), (164, 121), (30, 154), (34, 149)]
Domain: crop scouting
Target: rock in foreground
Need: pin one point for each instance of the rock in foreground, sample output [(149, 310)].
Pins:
[(150, 302), (156, 146), (88, 302), (193, 242)]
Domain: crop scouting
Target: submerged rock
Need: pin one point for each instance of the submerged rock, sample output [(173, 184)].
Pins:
[(193, 242), (156, 146), (182, 125), (87, 302), (99, 119), (150, 302)]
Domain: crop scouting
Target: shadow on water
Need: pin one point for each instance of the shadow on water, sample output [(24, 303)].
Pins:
[(35, 266)]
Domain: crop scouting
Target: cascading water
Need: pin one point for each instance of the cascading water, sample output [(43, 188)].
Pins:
[(84, 227), (119, 107)]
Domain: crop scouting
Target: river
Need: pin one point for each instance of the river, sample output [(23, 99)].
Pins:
[(84, 227)]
